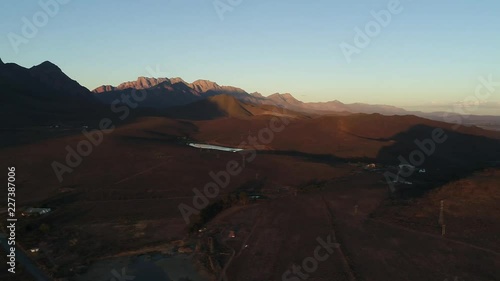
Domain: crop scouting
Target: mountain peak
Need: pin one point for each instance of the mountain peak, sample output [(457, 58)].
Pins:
[(103, 88), (46, 66), (285, 99), (142, 83), (146, 82), (204, 85), (177, 80), (288, 96), (204, 81), (285, 96)]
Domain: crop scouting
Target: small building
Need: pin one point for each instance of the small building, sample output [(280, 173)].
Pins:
[(35, 211), (255, 196), (370, 166)]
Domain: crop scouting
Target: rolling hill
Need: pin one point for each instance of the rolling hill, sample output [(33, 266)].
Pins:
[(227, 106)]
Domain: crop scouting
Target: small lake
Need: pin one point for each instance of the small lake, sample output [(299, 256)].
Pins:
[(214, 147)]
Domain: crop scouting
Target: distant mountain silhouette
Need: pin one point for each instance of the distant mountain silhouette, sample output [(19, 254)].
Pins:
[(35, 95), (44, 81)]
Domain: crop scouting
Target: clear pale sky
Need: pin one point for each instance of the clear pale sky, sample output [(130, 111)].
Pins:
[(431, 52)]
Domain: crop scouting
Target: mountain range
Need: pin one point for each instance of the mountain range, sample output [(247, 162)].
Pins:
[(165, 92), (33, 94)]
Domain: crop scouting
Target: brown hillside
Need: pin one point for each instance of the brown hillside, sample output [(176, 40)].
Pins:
[(211, 108)]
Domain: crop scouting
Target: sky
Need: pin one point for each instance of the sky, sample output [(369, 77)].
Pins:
[(428, 53)]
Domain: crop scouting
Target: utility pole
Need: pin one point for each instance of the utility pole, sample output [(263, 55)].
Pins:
[(211, 244), (441, 213)]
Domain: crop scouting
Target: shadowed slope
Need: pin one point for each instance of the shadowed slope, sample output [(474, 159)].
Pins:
[(42, 94), (372, 136), (212, 108)]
